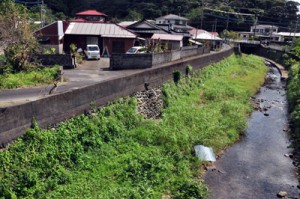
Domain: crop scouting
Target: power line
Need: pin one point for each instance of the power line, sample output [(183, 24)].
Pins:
[(234, 13), (29, 2)]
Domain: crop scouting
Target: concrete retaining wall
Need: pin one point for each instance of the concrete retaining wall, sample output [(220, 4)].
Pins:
[(134, 61), (62, 60), (60, 107)]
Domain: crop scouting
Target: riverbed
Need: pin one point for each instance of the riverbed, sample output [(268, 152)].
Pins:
[(259, 165)]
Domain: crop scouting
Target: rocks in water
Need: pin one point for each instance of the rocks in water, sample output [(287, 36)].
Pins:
[(282, 194), (258, 104), (150, 103), (289, 155), (266, 114)]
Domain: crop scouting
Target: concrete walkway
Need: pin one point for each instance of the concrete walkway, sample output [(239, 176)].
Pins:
[(86, 74), (284, 73)]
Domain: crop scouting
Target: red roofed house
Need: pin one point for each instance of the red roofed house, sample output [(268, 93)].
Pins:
[(91, 15), (89, 27)]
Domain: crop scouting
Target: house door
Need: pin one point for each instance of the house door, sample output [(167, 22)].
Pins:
[(118, 47), (92, 40)]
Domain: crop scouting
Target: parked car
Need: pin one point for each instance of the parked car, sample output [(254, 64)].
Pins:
[(136, 50), (92, 51)]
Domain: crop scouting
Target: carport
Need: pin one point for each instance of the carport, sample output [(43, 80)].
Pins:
[(110, 37)]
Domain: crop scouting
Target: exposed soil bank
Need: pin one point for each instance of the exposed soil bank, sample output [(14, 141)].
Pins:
[(256, 166)]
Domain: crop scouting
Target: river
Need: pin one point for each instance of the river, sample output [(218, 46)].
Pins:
[(256, 167)]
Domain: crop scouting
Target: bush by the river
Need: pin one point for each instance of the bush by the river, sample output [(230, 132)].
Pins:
[(293, 94), (114, 153)]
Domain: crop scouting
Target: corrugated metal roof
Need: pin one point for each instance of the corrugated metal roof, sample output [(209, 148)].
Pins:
[(101, 29), (206, 36), (126, 23), (168, 37)]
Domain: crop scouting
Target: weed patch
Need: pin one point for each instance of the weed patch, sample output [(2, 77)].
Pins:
[(28, 78), (115, 153)]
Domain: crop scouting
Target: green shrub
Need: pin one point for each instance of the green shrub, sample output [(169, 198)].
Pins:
[(177, 76), (29, 78), (188, 70), (293, 95)]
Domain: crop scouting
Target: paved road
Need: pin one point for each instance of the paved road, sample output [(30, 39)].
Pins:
[(88, 73)]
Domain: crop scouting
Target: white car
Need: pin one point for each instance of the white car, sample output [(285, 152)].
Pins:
[(136, 50), (92, 51)]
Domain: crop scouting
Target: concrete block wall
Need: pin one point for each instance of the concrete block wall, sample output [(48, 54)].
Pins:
[(62, 60), (132, 61), (160, 58), (56, 108), (135, 61), (176, 55)]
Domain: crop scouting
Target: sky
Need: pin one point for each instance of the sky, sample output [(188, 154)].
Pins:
[(298, 6)]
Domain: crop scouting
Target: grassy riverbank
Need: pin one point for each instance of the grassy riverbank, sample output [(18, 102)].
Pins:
[(33, 77), (293, 95), (115, 153)]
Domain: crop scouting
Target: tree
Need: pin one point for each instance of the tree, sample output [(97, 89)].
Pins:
[(16, 35)]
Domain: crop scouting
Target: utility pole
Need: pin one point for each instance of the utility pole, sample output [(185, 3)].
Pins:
[(42, 14), (255, 22), (227, 22), (202, 13), (216, 22), (295, 30)]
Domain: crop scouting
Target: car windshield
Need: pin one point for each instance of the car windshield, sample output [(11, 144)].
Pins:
[(132, 50), (93, 48)]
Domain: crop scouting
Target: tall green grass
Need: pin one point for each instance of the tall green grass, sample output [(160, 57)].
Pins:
[(28, 78), (293, 95), (115, 153)]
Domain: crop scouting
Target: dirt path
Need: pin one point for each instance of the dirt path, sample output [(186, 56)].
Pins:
[(256, 167)]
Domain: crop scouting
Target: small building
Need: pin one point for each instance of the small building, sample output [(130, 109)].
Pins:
[(174, 22), (264, 30), (89, 27), (245, 35), (52, 36), (91, 15), (287, 36), (146, 29), (173, 42), (108, 36), (207, 38)]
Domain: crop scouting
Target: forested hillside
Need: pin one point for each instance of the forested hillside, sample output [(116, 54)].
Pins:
[(277, 12)]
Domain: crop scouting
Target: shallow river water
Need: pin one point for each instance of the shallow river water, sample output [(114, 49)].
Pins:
[(256, 167)]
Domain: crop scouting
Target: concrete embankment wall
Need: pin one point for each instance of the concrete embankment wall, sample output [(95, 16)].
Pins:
[(48, 111), (269, 53)]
